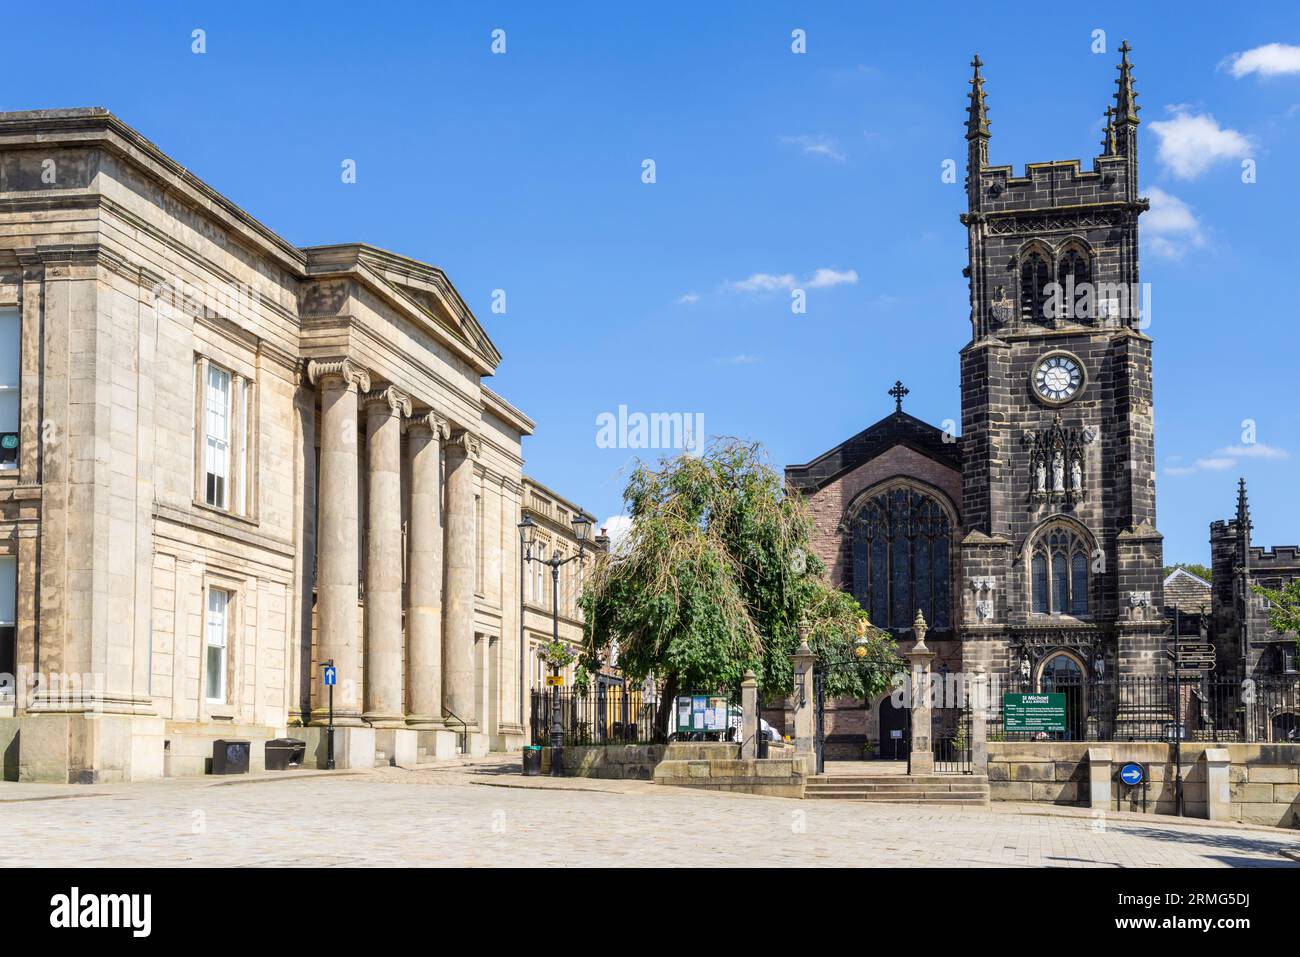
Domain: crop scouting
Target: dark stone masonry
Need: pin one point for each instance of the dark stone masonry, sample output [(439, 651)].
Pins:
[(1030, 541)]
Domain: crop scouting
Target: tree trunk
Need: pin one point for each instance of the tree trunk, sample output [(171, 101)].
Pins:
[(667, 702)]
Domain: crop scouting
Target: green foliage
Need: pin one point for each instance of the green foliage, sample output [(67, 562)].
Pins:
[(1200, 571), (1284, 607), (868, 666), (713, 577), (581, 678)]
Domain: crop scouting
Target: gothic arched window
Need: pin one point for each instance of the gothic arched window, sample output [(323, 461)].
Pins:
[(1058, 571), (1073, 263), (901, 559), (1035, 274)]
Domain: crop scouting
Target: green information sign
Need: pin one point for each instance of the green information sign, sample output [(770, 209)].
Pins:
[(1033, 712)]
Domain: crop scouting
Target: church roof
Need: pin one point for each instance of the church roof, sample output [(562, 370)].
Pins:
[(898, 428), (1186, 592)]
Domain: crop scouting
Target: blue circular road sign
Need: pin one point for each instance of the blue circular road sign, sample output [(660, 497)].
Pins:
[(1131, 774)]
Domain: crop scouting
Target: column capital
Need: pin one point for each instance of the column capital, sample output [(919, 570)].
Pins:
[(353, 375), (435, 423), (398, 402), (468, 441)]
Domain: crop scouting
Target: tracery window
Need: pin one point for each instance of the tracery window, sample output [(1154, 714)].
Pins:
[(1035, 274), (1059, 573), (901, 559), (1073, 263)]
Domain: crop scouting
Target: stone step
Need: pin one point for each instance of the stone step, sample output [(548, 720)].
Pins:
[(827, 788), (949, 800), (925, 779)]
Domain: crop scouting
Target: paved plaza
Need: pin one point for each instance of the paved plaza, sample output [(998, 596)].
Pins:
[(488, 815)]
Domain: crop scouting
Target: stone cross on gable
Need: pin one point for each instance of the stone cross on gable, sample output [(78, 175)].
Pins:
[(898, 391)]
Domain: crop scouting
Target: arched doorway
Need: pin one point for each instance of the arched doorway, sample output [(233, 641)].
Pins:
[(1063, 673), (894, 739), (1286, 728)]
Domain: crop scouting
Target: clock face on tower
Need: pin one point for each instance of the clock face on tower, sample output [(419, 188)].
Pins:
[(1057, 378)]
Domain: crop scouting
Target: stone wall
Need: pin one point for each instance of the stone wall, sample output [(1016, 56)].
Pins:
[(1264, 787), (624, 762)]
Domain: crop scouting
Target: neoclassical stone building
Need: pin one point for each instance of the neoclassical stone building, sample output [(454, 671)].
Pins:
[(233, 460)]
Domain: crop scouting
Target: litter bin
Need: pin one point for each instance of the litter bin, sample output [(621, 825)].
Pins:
[(532, 760), (285, 753), (230, 756)]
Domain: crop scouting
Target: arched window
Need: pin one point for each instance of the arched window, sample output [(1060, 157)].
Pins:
[(1073, 273), (1035, 274), (1073, 263), (901, 553), (1059, 573)]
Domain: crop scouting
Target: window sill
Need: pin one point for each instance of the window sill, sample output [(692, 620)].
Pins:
[(250, 521)]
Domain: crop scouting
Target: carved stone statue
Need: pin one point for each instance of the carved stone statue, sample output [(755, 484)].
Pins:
[(1040, 482), (1076, 475), (1058, 472)]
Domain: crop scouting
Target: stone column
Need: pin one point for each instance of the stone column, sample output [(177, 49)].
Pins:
[(805, 695), (749, 716), (336, 540), (424, 573), (920, 757), (979, 721), (383, 699), (458, 593)]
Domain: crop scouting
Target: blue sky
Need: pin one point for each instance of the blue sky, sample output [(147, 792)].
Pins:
[(523, 172)]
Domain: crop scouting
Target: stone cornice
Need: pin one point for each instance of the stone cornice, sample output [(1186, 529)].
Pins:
[(344, 368), (97, 128), (348, 325), (364, 273), (503, 410)]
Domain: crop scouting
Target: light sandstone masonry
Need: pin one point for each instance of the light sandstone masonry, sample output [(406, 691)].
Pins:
[(131, 276)]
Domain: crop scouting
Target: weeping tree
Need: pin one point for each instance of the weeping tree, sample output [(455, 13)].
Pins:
[(712, 580)]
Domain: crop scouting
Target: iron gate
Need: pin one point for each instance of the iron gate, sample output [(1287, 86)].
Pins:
[(950, 737)]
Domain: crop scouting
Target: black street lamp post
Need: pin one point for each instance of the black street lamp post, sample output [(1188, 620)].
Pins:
[(527, 537)]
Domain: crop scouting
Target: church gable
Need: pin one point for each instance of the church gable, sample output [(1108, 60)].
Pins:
[(898, 449), (899, 429)]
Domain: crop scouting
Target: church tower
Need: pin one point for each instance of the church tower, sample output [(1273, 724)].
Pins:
[(1060, 561)]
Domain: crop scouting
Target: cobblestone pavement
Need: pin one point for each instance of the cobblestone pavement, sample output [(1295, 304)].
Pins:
[(489, 815)]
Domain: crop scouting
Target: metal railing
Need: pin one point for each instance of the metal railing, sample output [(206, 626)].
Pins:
[(1145, 708), (601, 715), (463, 736)]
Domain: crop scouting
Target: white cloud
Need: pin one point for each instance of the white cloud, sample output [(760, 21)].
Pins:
[(1272, 59), (689, 299), (1215, 464), (1169, 226), (617, 528), (824, 278), (1190, 143), (1226, 458), (743, 358), (827, 146), (763, 282), (1256, 450)]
